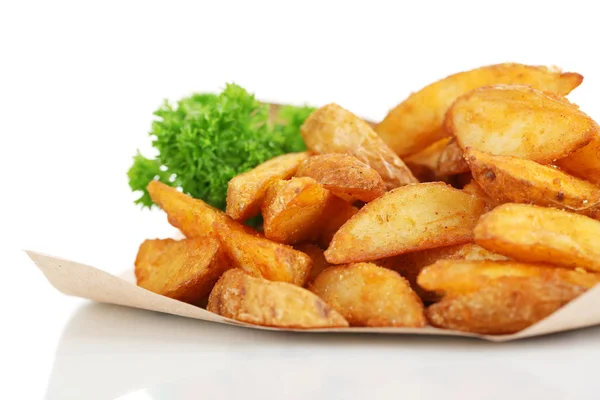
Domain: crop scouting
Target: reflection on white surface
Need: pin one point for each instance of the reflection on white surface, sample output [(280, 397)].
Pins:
[(109, 352)]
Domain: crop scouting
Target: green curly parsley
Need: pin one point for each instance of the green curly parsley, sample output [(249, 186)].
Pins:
[(207, 139)]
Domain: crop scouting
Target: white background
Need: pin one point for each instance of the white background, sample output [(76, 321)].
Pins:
[(78, 84)]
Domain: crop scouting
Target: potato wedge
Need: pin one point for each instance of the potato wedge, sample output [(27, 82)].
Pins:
[(193, 217), (584, 163), (368, 295), (410, 218), (184, 270), (536, 234), (495, 297), (246, 192), (451, 161), (319, 263), (424, 164), (505, 306), (474, 189), (409, 265), (514, 180), (332, 129), (418, 121), (338, 212), (343, 175), (245, 298), (461, 276), (258, 256), (293, 210), (519, 121)]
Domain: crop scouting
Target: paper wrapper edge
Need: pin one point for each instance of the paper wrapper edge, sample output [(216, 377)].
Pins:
[(87, 282)]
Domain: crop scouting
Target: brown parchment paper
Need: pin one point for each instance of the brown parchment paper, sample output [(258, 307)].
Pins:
[(81, 280)]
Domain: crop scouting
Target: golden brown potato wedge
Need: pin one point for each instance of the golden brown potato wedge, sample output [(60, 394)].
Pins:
[(246, 192), (451, 161), (409, 218), (368, 295), (319, 263), (520, 121), (584, 163), (193, 217), (514, 180), (184, 270), (417, 122), (293, 210), (343, 175), (497, 297), (474, 189), (332, 129), (536, 234), (245, 298), (258, 256), (505, 306), (409, 265), (460, 276), (338, 212), (424, 164)]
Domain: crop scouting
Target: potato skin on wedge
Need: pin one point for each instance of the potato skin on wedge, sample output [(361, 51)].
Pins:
[(368, 295), (519, 121), (343, 175), (514, 180), (418, 121), (537, 234), (253, 300), (460, 276), (505, 306), (409, 218), (246, 192), (193, 217), (333, 129), (258, 256), (499, 297), (585, 162), (184, 270)]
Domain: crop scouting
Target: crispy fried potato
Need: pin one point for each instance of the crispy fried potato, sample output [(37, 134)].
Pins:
[(184, 270), (410, 218), (338, 212), (343, 175), (417, 122), (242, 297), (514, 180), (536, 234), (193, 217), (368, 295), (319, 263), (474, 189), (246, 192), (409, 265), (451, 161), (424, 164), (584, 163), (520, 121), (505, 306), (459, 276), (294, 209), (332, 129), (496, 297), (259, 256)]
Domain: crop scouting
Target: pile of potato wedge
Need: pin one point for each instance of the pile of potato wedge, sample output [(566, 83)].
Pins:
[(473, 206)]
